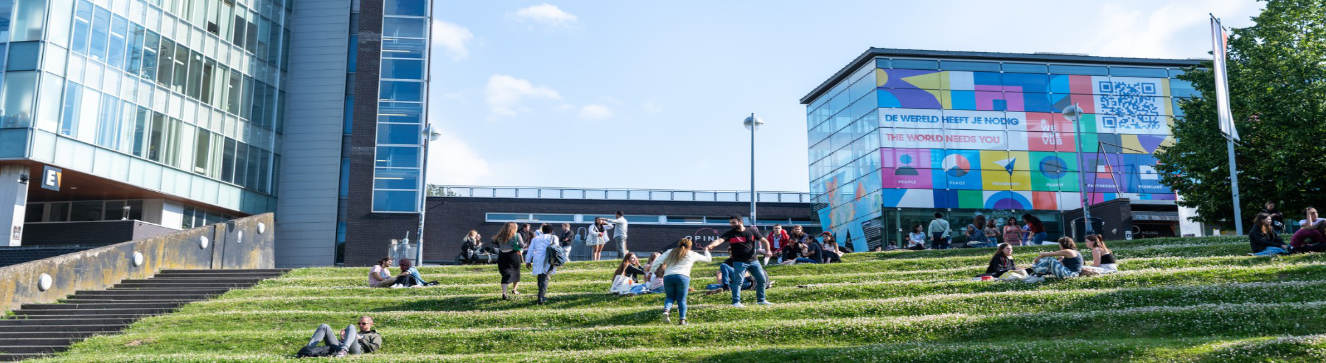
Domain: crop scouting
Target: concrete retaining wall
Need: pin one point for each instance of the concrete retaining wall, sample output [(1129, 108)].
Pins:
[(236, 244)]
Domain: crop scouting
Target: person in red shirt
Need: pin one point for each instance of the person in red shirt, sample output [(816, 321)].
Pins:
[(778, 239)]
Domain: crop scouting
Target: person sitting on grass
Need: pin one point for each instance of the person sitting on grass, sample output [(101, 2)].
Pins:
[(409, 276), (1265, 242), (916, 239), (1102, 258), (724, 270), (350, 341), (1310, 237), (623, 278), (1064, 263), (381, 276), (1001, 264), (830, 250)]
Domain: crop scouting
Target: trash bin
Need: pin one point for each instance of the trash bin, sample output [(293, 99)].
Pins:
[(1079, 228)]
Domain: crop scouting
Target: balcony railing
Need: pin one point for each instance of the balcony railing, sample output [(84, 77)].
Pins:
[(614, 194)]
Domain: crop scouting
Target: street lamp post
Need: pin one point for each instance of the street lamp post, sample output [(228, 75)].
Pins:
[(1074, 113), (429, 136), (752, 123)]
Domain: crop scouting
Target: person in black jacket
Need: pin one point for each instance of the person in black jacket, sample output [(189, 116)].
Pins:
[(1265, 242), (1002, 263)]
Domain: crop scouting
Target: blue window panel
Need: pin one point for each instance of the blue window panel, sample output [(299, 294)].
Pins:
[(23, 56), (349, 114), (404, 27), (883, 63), (1138, 72), (1035, 102), (352, 54), (1082, 70), (399, 134), (135, 50), (403, 69), (395, 201), (400, 112), (100, 32), (119, 36), (987, 79), (69, 119), (82, 26), (345, 178), (405, 7), (1036, 83), (397, 157), (396, 179), (962, 100), (1026, 68), (404, 48), (968, 66), (1182, 88), (915, 64), (150, 44), (401, 91)]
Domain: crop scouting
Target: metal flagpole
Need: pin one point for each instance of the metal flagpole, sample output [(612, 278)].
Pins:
[(1226, 118)]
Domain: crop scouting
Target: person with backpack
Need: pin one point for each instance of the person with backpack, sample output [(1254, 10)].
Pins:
[(542, 258), (676, 271), (355, 339)]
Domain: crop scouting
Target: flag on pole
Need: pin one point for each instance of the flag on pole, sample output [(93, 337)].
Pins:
[(1219, 43)]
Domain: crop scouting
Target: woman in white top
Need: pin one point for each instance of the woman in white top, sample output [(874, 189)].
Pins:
[(677, 276), (597, 237), (537, 259), (916, 240)]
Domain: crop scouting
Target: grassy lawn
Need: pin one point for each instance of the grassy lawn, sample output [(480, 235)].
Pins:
[(1175, 300)]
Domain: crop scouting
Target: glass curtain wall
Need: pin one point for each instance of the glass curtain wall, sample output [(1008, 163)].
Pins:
[(397, 177), (195, 85)]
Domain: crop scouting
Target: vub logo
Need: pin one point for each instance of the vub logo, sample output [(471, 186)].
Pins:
[(1050, 134)]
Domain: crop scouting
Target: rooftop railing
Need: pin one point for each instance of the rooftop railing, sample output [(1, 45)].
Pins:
[(614, 194)]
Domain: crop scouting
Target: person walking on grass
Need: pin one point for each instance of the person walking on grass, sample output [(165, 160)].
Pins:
[(939, 228), (744, 242), (676, 271), (619, 227), (509, 257), (537, 260), (1265, 240), (359, 338)]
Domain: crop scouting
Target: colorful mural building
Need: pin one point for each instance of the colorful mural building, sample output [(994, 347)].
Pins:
[(898, 135)]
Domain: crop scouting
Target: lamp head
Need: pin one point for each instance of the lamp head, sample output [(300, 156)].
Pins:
[(753, 122), (1072, 113)]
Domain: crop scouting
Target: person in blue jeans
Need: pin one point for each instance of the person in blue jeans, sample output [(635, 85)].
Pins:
[(676, 270), (744, 242), (1265, 241), (939, 228), (355, 339)]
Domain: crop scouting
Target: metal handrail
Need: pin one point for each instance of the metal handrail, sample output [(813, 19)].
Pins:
[(614, 194)]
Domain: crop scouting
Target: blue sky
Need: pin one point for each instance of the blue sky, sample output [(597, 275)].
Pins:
[(634, 94)]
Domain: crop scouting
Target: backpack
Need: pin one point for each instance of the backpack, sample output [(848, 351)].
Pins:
[(556, 255), (314, 351)]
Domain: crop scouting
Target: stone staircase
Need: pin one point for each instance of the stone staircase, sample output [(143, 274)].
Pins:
[(41, 329)]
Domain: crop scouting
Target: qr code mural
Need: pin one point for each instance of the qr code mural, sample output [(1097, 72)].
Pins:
[(1130, 105)]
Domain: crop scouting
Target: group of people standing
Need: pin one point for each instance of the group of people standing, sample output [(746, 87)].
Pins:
[(982, 232)]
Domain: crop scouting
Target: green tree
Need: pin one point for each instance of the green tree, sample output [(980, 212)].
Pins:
[(1277, 83)]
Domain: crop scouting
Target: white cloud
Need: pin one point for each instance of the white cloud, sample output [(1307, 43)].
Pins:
[(595, 112), (453, 162), (454, 38), (1128, 32), (546, 14), (651, 107), (506, 93)]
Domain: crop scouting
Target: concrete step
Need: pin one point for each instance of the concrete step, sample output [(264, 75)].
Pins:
[(62, 320), (126, 300), (41, 341), (117, 305), (144, 311), (170, 291), (235, 271), (206, 279), (80, 328), (82, 316), (52, 348), (6, 335), (146, 294), (14, 357), (240, 274), (181, 286)]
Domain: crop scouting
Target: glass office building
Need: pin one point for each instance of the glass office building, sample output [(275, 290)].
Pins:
[(183, 107), (899, 135)]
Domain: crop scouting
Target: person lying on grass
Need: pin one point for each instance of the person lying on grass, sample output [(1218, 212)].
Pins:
[(1002, 265), (1064, 263), (1102, 259), (353, 340), (1265, 241)]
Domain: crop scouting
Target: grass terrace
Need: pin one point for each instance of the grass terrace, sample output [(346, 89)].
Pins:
[(1175, 300)]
